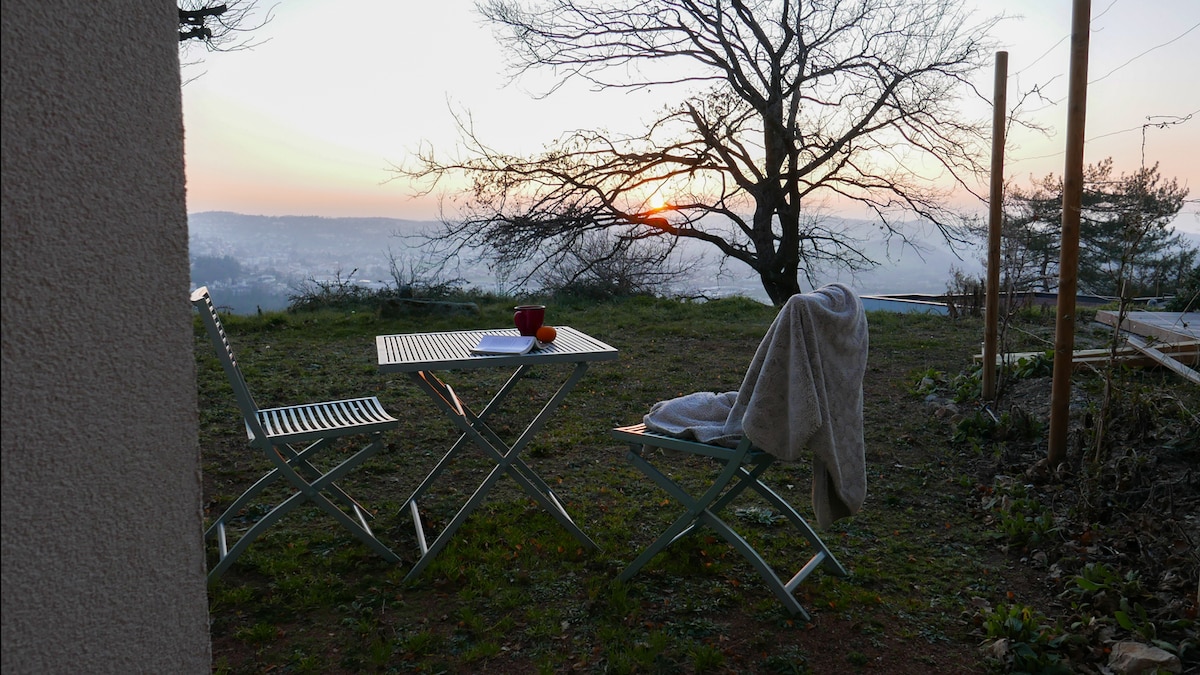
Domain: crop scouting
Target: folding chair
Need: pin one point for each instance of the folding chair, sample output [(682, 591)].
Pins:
[(742, 464), (741, 467), (277, 433)]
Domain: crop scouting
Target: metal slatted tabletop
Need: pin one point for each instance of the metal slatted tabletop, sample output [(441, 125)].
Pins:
[(415, 352)]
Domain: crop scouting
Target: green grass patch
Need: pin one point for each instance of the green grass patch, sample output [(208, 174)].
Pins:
[(514, 592)]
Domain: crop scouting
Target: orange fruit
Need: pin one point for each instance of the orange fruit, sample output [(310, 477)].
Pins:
[(546, 334)]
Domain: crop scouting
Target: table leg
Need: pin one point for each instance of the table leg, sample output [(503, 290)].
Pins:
[(507, 458), (452, 406), (444, 538)]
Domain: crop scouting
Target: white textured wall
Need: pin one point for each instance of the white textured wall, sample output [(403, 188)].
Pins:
[(102, 564)]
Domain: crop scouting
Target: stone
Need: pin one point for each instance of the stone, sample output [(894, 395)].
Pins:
[(998, 649), (1134, 658)]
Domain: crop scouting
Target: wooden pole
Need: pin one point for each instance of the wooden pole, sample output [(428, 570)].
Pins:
[(995, 218), (1068, 259)]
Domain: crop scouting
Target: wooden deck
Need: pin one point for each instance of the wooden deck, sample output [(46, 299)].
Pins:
[(1168, 339)]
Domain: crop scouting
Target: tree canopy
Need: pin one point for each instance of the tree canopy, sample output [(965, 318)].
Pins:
[(1127, 246), (783, 106)]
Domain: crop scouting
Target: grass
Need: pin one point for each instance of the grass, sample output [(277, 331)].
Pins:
[(514, 592)]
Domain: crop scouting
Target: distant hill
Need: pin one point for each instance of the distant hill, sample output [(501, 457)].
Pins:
[(216, 222), (924, 267), (274, 254), (352, 241)]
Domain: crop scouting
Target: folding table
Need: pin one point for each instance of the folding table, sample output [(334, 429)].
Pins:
[(421, 355)]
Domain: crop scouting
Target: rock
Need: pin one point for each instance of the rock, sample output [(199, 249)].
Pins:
[(946, 410), (998, 649), (1133, 658)]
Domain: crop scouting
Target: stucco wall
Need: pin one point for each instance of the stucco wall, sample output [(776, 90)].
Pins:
[(102, 565)]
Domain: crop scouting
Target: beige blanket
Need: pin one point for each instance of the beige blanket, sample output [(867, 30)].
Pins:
[(803, 391)]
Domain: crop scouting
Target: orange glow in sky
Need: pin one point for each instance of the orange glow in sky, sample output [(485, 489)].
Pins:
[(308, 122)]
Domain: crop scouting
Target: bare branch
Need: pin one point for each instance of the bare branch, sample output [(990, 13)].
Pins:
[(781, 104), (220, 26)]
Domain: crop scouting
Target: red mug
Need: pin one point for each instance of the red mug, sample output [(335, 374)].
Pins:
[(528, 318)]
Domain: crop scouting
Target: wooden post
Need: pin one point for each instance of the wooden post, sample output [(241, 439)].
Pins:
[(1068, 260), (995, 218)]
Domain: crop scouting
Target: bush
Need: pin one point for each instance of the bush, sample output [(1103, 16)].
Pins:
[(340, 293), (965, 294), (1022, 642), (343, 293), (1186, 296)]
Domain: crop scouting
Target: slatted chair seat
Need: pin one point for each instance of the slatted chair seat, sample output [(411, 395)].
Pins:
[(273, 431), (296, 423)]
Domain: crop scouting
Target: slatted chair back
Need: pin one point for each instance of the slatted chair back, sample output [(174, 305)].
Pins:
[(216, 332)]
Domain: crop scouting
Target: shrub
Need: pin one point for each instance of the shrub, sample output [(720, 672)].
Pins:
[(1021, 642), (1188, 294)]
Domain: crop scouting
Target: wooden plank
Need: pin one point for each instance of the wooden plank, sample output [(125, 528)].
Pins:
[(1136, 360), (1166, 326), (1163, 359), (1187, 353)]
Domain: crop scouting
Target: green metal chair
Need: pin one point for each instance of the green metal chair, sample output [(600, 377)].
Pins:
[(740, 468), (290, 437), (802, 394)]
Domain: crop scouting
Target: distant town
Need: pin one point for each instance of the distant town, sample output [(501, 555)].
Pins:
[(255, 263)]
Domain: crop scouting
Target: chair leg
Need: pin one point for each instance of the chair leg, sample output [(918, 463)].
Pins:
[(296, 459), (316, 489), (682, 525), (251, 534), (299, 460), (686, 522), (772, 580), (242, 502), (290, 465), (828, 562), (742, 470), (357, 527)]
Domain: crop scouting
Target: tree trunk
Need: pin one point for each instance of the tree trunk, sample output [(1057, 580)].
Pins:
[(778, 268), (779, 286), (779, 259)]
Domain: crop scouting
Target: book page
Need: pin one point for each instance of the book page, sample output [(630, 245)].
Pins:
[(504, 344)]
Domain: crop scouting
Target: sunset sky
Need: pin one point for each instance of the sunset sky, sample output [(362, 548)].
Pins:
[(308, 121)]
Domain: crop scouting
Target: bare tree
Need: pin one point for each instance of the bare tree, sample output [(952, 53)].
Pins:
[(219, 26), (786, 105), (602, 268)]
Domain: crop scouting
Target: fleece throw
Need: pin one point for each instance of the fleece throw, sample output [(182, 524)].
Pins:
[(803, 391)]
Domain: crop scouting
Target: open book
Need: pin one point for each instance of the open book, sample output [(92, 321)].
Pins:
[(504, 344)]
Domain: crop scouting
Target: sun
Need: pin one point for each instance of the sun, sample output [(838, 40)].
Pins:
[(656, 202)]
